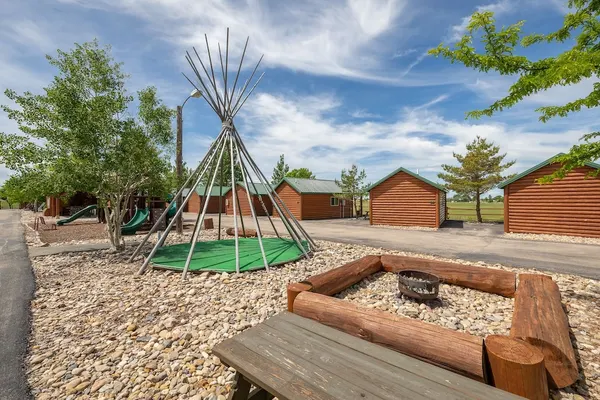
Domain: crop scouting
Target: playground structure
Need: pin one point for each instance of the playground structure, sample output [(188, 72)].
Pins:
[(537, 355), (130, 228), (77, 215), (226, 103)]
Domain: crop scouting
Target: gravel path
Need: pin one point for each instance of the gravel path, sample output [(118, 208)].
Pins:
[(100, 331), (553, 238)]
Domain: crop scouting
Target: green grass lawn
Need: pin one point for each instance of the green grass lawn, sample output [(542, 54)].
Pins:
[(490, 212)]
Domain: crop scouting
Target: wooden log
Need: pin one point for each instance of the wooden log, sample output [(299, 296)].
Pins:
[(341, 278), (516, 366), (209, 224), (489, 280), (293, 289), (540, 320), (455, 351), (249, 232)]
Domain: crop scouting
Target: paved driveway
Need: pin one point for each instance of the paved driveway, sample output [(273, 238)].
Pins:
[(16, 291), (471, 242)]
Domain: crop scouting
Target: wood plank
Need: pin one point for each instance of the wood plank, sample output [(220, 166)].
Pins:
[(309, 363), (456, 351), (375, 375), (266, 372), (396, 361), (295, 358)]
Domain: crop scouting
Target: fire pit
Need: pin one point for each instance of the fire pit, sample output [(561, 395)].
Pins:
[(418, 285)]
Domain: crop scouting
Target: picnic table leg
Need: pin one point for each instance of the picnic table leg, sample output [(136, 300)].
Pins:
[(242, 388), (242, 391), (260, 394)]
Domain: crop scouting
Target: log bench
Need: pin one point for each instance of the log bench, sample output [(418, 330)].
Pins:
[(296, 358)]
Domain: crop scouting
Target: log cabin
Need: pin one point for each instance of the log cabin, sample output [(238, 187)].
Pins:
[(568, 206), (313, 199), (404, 198)]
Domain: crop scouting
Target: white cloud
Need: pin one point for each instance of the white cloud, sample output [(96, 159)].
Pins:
[(403, 53), (363, 114), (304, 129), (345, 38), (498, 8)]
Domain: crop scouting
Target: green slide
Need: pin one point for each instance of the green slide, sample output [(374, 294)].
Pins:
[(136, 222), (172, 209), (78, 214)]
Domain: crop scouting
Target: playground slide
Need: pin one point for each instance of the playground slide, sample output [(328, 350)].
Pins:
[(136, 222), (172, 209), (76, 215)]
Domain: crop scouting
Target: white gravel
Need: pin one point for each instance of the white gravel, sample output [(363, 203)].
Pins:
[(100, 331), (552, 238)]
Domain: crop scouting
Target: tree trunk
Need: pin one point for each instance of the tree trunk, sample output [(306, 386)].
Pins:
[(114, 216), (361, 204), (478, 206)]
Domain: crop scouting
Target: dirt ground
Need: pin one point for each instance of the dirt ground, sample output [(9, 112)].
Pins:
[(84, 229)]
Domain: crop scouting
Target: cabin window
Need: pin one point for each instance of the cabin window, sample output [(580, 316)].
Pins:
[(334, 202)]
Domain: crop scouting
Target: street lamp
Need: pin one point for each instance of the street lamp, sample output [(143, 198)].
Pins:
[(179, 154)]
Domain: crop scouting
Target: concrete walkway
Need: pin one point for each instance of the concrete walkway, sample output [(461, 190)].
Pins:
[(472, 242), (16, 291)]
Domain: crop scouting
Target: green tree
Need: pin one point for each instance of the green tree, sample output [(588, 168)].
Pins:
[(172, 183), (479, 171), (24, 188), (352, 184), (80, 131), (280, 170), (224, 170), (300, 173), (499, 53)]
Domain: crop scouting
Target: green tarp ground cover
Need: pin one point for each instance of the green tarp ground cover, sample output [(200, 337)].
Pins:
[(219, 255)]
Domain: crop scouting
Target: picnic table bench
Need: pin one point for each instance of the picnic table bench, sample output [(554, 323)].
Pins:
[(292, 357)]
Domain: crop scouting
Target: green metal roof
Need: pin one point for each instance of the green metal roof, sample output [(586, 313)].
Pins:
[(260, 188), (385, 178), (200, 190), (314, 186), (538, 166)]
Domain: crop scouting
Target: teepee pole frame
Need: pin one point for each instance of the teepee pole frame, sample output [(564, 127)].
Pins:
[(269, 190), (165, 212), (226, 103), (198, 226), (252, 210), (160, 242)]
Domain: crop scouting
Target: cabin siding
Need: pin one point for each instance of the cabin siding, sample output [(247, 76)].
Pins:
[(245, 207), (291, 198), (569, 206), (193, 204), (318, 206), (404, 200)]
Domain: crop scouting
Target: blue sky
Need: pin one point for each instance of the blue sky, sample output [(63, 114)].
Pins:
[(345, 81)]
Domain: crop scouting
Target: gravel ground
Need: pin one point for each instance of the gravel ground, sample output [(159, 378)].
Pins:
[(100, 331), (553, 238)]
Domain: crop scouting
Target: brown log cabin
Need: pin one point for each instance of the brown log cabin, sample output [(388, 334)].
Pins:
[(404, 198), (568, 206), (313, 199)]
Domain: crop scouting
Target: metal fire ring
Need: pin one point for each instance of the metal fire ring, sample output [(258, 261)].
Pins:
[(418, 285)]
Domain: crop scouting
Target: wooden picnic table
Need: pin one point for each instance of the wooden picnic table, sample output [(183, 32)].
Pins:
[(292, 357)]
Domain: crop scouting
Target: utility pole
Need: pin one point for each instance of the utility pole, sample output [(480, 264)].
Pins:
[(179, 165), (179, 156)]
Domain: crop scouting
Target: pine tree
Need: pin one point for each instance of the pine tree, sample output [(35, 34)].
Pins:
[(479, 171), (280, 170), (352, 184)]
